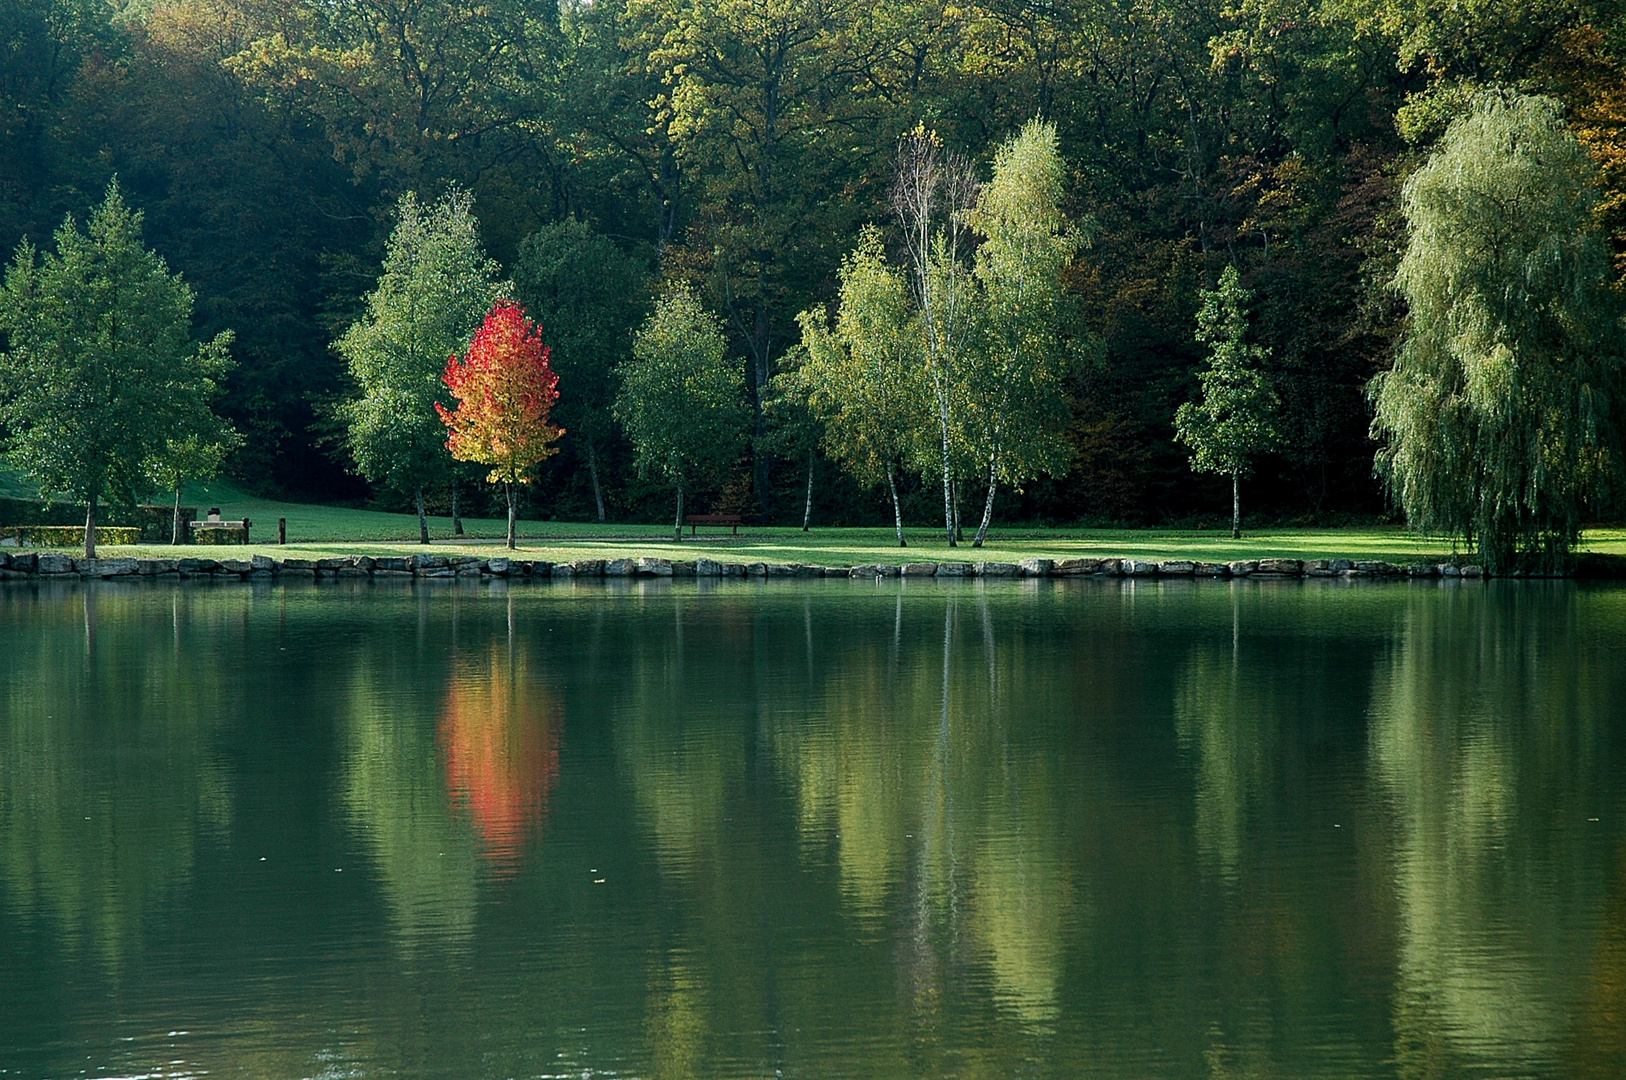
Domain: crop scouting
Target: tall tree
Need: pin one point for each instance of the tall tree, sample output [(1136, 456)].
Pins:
[(591, 296), (505, 389), (436, 287), (1234, 421), (1016, 380), (1500, 418), (682, 400), (863, 376), (99, 340), (932, 193)]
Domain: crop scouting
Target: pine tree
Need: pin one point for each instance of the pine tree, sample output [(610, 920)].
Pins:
[(1235, 419)]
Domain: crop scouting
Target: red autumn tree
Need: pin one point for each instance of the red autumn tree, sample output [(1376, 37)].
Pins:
[(504, 388)]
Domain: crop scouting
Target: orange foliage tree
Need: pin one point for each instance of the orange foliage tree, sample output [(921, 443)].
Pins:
[(505, 388)]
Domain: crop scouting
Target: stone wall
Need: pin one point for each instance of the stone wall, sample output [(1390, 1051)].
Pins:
[(31, 566)]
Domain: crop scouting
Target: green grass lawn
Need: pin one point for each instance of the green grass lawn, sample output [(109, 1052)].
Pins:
[(317, 531)]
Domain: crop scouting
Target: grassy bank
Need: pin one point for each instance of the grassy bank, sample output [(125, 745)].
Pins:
[(317, 531)]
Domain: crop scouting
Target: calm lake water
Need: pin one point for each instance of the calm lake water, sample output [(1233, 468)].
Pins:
[(824, 829)]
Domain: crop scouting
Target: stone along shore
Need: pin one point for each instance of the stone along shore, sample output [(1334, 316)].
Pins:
[(36, 567)]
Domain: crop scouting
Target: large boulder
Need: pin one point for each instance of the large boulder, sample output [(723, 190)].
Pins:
[(1177, 568), (648, 567), (919, 569), (588, 567), (620, 568), (1037, 567), (1075, 567), (707, 568), (954, 569), (55, 564), (996, 569), (1281, 567)]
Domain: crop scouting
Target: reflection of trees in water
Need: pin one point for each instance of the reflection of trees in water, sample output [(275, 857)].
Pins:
[(499, 734), (108, 774), (1482, 706)]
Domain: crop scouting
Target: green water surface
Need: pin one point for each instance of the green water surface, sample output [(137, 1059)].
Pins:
[(1159, 829)]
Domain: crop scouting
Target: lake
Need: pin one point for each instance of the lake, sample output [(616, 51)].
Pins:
[(1109, 829)]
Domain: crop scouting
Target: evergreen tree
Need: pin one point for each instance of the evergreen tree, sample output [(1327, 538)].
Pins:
[(100, 367), (436, 287), (1499, 416), (682, 399), (1235, 419)]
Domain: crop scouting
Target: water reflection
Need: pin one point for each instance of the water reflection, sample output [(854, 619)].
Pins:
[(1158, 830)]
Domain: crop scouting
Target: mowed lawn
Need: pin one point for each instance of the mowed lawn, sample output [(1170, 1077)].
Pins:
[(316, 531)]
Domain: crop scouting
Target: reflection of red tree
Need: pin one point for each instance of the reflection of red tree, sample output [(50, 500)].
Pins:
[(499, 739)]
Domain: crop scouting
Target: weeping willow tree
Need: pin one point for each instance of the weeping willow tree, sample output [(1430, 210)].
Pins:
[(1497, 420)]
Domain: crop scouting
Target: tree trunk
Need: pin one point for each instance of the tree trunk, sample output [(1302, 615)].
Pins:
[(897, 511), (988, 505), (677, 524), (1236, 505), (948, 487), (508, 490), (175, 526), (959, 530), (90, 528), (423, 519), (592, 471), (807, 509), (457, 514)]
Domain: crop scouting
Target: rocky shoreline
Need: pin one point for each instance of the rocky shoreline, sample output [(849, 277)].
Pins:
[(36, 567)]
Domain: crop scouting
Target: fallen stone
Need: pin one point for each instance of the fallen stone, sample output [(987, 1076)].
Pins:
[(1340, 566), (388, 562), (1422, 570), (469, 570), (289, 574), (620, 568), (1242, 567), (1111, 567), (708, 568), (685, 568), (837, 571), (1473, 570), (1139, 568), (307, 564), (779, 570), (25, 564), (149, 567), (1376, 568), (116, 567), (353, 572), (996, 569), (733, 569), (954, 569), (263, 562), (334, 564), (500, 567), (1177, 568), (648, 567), (1450, 570), (563, 571), (1036, 567), (756, 569), (588, 567), (1210, 569), (918, 569), (55, 564), (428, 562), (234, 566)]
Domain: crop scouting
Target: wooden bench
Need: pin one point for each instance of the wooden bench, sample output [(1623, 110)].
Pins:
[(695, 520)]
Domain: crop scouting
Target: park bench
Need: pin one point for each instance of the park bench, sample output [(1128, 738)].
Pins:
[(223, 530), (695, 520)]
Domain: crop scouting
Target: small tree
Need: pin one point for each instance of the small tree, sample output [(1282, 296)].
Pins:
[(505, 389), (682, 400), (436, 286), (1499, 418), (195, 456), (591, 296), (863, 377), (1235, 419), (99, 346), (794, 429)]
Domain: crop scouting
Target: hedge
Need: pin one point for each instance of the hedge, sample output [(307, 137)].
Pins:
[(68, 535), (153, 523)]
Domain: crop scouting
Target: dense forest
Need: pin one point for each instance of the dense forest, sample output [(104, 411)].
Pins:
[(743, 146)]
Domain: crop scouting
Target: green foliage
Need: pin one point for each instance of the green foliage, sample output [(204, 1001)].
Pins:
[(101, 369), (436, 287), (1234, 421), (1015, 383), (589, 296), (1499, 418), (682, 399)]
